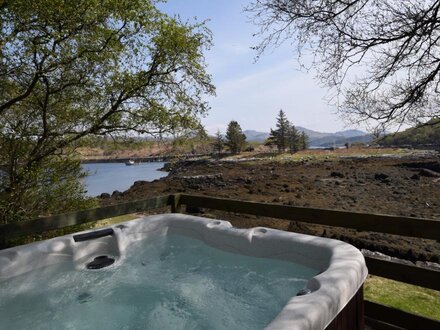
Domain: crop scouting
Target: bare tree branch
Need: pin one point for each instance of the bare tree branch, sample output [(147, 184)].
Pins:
[(390, 46)]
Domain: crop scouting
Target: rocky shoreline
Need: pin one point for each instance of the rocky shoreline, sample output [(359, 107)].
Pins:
[(405, 186)]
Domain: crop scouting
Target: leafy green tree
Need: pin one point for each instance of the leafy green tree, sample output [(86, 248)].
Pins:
[(186, 140), (279, 136), (43, 190), (235, 139), (72, 69)]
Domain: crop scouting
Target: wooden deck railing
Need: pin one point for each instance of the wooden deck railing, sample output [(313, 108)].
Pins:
[(379, 316)]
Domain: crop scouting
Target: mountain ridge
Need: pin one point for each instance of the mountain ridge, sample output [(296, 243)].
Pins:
[(318, 139)]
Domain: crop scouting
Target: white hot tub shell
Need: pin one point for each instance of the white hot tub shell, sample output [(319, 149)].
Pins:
[(342, 269)]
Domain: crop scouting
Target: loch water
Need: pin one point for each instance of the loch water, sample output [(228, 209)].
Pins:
[(108, 177)]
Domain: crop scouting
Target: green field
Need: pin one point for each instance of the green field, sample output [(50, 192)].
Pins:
[(406, 297)]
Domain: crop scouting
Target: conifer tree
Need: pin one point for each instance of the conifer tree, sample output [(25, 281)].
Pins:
[(286, 136), (235, 139), (293, 139), (218, 143), (279, 135), (304, 141)]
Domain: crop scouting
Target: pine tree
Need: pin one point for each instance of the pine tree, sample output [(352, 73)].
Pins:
[(293, 139), (235, 139), (218, 143), (304, 141), (279, 135)]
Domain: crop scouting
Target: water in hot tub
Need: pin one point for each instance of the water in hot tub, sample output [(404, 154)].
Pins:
[(170, 282)]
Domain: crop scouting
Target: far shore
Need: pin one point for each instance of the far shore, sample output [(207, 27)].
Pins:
[(148, 159), (124, 160)]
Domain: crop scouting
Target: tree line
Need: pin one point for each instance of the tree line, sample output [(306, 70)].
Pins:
[(285, 137), (423, 135), (234, 139)]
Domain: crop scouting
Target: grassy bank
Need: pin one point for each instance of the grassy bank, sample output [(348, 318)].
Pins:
[(406, 297)]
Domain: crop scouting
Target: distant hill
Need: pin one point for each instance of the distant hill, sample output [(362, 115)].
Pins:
[(313, 135), (318, 139), (351, 133), (423, 135), (255, 136), (366, 138)]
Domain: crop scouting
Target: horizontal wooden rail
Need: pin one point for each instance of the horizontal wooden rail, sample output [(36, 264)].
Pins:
[(427, 278), (415, 227), (397, 317), (378, 325), (22, 228)]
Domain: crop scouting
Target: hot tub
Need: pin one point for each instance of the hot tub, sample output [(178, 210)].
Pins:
[(176, 271)]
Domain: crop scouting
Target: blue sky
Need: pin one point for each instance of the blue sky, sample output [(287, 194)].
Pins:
[(252, 92)]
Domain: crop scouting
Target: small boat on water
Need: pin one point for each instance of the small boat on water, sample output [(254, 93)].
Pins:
[(131, 162)]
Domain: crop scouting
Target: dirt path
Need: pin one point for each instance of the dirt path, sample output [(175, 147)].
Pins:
[(406, 186)]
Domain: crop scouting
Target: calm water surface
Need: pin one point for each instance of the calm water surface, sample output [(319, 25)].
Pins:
[(108, 177)]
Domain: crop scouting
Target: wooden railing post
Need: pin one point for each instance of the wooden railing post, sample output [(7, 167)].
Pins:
[(176, 207), (2, 241)]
